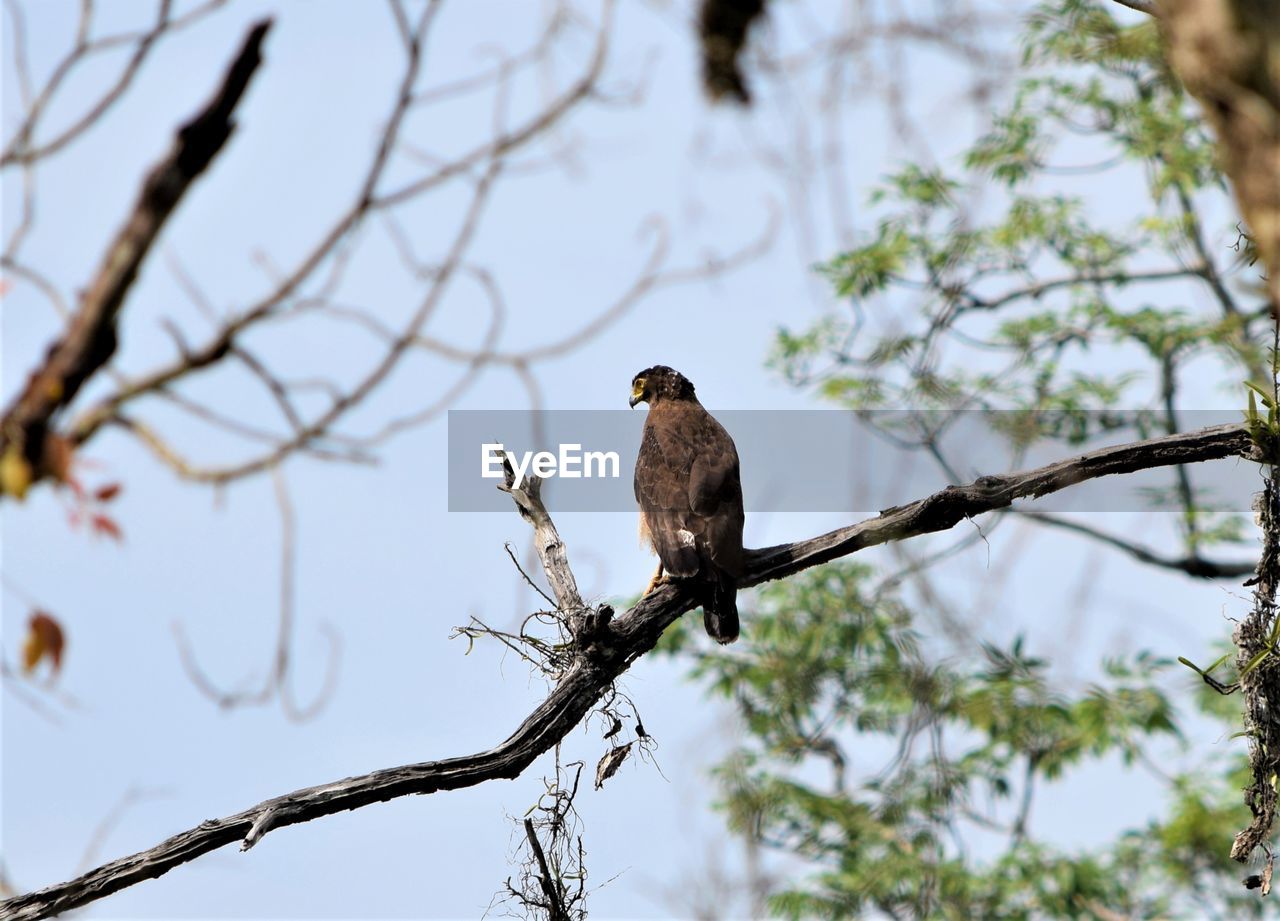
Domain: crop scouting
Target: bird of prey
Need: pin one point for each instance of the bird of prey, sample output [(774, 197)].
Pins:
[(690, 494)]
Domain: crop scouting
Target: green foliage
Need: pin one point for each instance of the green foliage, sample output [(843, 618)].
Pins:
[(1043, 276), (877, 763), (1265, 430), (1063, 271), (869, 268)]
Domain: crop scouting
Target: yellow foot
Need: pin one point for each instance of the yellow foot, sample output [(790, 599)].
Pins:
[(658, 579), (655, 582)]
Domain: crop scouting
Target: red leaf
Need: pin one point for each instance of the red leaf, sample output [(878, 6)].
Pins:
[(102, 524), (108, 492)]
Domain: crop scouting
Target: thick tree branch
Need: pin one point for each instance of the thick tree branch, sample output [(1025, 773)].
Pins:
[(606, 648), (1254, 639), (1227, 52), (90, 338)]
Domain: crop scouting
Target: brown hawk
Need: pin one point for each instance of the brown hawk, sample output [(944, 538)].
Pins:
[(690, 494)]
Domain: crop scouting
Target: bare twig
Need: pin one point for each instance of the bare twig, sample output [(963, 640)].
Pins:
[(277, 681), (556, 855), (1191, 564), (22, 148), (555, 907), (111, 820)]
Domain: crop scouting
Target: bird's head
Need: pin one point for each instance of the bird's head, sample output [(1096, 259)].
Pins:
[(653, 385)]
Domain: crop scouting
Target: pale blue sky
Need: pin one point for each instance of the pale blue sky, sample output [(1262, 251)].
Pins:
[(379, 557)]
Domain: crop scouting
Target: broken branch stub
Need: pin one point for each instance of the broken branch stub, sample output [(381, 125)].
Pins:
[(586, 624)]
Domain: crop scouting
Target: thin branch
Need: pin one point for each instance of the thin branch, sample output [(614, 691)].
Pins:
[(111, 820), (277, 682), (581, 89), (606, 647), (21, 61), (1208, 269), (1039, 289), (520, 569), (1192, 564), (41, 283), (555, 904), (1019, 832), (1186, 492), (22, 149), (318, 429)]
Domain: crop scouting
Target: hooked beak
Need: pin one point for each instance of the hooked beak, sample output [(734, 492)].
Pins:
[(634, 400)]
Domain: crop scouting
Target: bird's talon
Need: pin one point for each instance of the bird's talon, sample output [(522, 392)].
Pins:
[(655, 582)]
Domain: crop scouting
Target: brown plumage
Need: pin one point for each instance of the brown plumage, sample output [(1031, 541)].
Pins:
[(690, 493)]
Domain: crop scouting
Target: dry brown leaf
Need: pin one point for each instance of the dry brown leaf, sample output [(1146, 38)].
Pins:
[(610, 763), (45, 640)]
